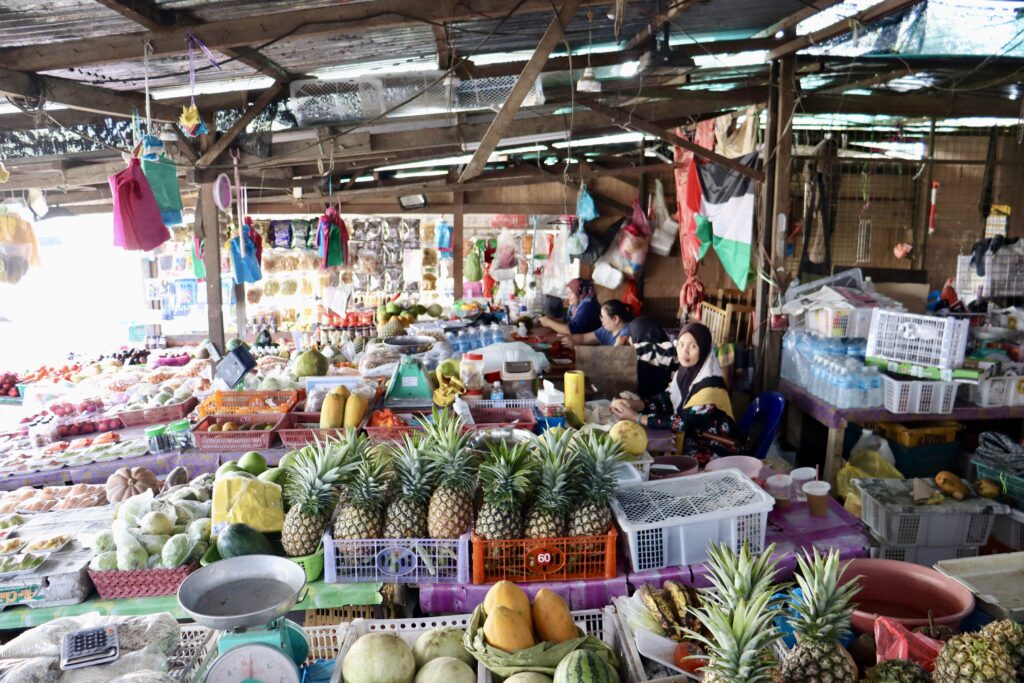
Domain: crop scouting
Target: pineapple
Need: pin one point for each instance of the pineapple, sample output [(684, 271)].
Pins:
[(406, 515), (311, 493), (599, 457), (362, 514), (739, 576), (973, 658), (821, 617), (505, 479), (546, 518), (898, 671), (1010, 635), (742, 635), (450, 512)]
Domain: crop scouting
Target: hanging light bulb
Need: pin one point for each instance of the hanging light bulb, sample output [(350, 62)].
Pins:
[(588, 81), (168, 134)]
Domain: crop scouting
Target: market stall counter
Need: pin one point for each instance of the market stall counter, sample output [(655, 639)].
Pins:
[(790, 529)]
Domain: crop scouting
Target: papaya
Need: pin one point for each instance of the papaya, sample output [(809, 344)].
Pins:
[(507, 630), (355, 410), (551, 617), (341, 390), (332, 412), (508, 594)]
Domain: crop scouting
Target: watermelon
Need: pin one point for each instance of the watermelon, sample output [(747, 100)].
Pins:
[(584, 666), (241, 539)]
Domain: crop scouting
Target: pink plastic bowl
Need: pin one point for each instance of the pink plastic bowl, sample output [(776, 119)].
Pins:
[(684, 464), (906, 592), (744, 463)]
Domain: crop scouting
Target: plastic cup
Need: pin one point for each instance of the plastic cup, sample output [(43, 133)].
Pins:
[(802, 475), (780, 486), (817, 497)]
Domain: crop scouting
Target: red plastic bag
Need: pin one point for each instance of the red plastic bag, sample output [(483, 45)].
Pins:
[(631, 298), (137, 222), (894, 641)]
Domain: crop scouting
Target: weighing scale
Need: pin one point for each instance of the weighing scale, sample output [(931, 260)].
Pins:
[(245, 600), (410, 386)]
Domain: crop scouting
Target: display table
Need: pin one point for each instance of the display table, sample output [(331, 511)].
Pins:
[(836, 419), (320, 596), (448, 598), (97, 472), (790, 529)]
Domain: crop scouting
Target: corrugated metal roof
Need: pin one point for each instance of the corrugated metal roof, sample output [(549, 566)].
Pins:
[(30, 22), (727, 17), (163, 72), (220, 10), (400, 44)]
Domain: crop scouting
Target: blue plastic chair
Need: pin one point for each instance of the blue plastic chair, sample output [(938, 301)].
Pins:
[(761, 421)]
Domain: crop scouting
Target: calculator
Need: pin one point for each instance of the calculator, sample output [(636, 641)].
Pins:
[(89, 647)]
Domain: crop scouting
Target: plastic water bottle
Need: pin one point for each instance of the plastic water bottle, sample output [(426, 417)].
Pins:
[(876, 386), (498, 394)]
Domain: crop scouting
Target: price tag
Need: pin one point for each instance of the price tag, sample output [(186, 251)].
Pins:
[(544, 559), (17, 596)]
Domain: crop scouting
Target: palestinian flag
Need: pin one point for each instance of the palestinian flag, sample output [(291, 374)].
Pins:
[(725, 217)]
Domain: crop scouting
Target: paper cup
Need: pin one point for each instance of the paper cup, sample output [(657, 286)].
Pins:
[(801, 475), (817, 497), (780, 486)]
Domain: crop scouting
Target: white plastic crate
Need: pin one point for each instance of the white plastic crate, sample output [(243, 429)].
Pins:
[(839, 322), (643, 465), (672, 521), (505, 403), (396, 560), (1015, 392), (1004, 275), (993, 392), (888, 509), (923, 555), (918, 396), (198, 647), (919, 339), (1009, 530)]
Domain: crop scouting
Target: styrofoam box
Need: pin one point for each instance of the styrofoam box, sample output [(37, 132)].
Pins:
[(904, 524), (1009, 530), (672, 521)]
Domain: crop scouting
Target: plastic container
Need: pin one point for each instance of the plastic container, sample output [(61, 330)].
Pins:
[(801, 476), (816, 494), (749, 465), (299, 429), (545, 559), (869, 441), (1013, 483), (237, 440), (471, 372), (888, 509), (159, 440), (670, 522), (497, 393), (924, 555), (918, 396), (391, 560), (780, 487), (248, 402), (550, 401), (926, 461), (919, 339), (915, 434), (180, 433), (994, 580), (993, 392), (1008, 530)]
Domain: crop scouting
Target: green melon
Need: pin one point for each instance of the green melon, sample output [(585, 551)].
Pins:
[(584, 666), (242, 539), (528, 677), (379, 658)]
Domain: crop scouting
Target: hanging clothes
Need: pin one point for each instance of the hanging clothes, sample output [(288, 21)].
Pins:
[(821, 202), (443, 239), (740, 142), (332, 239)]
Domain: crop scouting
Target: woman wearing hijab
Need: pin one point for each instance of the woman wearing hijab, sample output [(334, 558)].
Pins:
[(696, 402), (584, 311), (654, 351)]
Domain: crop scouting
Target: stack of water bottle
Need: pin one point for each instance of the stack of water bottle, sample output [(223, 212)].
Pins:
[(473, 338), (831, 369)]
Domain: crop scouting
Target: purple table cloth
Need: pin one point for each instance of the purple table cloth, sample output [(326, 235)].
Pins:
[(96, 473), (790, 529), (447, 598)]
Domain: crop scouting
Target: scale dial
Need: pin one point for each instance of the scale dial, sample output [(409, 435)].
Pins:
[(256, 663)]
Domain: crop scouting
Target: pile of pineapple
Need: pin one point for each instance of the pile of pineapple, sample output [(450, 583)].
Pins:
[(731, 630), (432, 484)]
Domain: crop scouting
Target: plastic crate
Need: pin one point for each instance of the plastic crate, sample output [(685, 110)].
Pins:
[(1004, 275), (916, 434), (313, 564), (396, 560), (141, 583), (236, 440), (1015, 392), (925, 461), (919, 339), (848, 278), (333, 616), (159, 414), (198, 649), (299, 429), (918, 396), (902, 524), (643, 465), (498, 418), (505, 403), (921, 554), (248, 402), (1008, 530), (1012, 481), (993, 392), (545, 559), (393, 434), (838, 322), (672, 521)]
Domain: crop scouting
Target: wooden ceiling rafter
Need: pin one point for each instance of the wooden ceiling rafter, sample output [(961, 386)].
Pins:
[(671, 13), (811, 8)]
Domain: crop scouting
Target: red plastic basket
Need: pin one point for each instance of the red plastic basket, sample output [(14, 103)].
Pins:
[(167, 413), (237, 440), (249, 402), (496, 418), (545, 559), (298, 429), (140, 583), (392, 434)]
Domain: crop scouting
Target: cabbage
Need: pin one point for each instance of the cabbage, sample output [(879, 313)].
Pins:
[(189, 510), (104, 562), (154, 543), (104, 542), (129, 558), (157, 523), (154, 562), (198, 550), (177, 550), (135, 508), (199, 530)]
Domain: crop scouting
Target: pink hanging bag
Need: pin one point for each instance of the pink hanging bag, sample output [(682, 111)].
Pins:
[(137, 222)]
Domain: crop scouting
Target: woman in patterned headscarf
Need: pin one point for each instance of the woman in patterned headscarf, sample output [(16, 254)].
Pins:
[(584, 313)]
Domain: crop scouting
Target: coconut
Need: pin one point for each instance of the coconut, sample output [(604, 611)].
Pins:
[(443, 641), (445, 670), (632, 436), (311, 364), (379, 658)]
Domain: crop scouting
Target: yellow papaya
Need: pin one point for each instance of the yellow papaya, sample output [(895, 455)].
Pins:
[(507, 630), (508, 594), (332, 412), (552, 618), (355, 410)]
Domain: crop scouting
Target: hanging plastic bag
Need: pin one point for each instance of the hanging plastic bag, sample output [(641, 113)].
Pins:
[(629, 253), (163, 180), (631, 297), (894, 641), (665, 229), (137, 222), (443, 237), (332, 239), (505, 255), (585, 209), (247, 267)]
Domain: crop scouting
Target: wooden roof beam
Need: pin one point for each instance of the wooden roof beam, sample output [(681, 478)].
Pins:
[(657, 21), (873, 13), (350, 17), (812, 8), (224, 141), (523, 86), (869, 82)]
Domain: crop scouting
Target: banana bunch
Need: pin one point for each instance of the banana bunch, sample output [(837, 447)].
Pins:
[(671, 607), (448, 389)]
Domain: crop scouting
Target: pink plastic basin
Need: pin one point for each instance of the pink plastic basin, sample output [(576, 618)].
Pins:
[(906, 592), (744, 463), (684, 466)]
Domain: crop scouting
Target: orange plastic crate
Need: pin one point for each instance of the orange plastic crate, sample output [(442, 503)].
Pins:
[(237, 440), (249, 402), (545, 559), (394, 434)]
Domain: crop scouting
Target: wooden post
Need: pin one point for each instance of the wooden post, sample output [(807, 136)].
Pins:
[(210, 221), (763, 292), (458, 201)]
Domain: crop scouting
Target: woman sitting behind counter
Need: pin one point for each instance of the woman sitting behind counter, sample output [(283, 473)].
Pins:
[(696, 402), (584, 313), (655, 355)]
